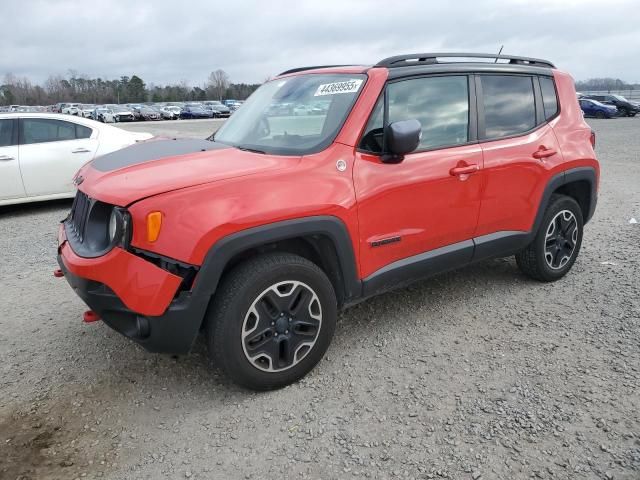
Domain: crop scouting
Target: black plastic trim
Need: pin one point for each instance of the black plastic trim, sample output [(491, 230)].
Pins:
[(416, 267), (225, 249)]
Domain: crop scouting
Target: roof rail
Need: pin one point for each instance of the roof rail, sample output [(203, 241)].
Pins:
[(302, 69), (432, 58)]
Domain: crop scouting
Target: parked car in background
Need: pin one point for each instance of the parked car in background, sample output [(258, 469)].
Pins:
[(195, 111), (104, 115), (71, 109), (624, 106), (86, 111), (148, 113), (593, 108), (170, 112), (41, 152), (122, 114), (217, 109)]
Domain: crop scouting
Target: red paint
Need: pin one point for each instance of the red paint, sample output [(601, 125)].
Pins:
[(58, 273), (142, 287), (90, 316), (430, 200)]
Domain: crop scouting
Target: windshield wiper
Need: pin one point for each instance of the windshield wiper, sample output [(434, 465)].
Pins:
[(247, 149)]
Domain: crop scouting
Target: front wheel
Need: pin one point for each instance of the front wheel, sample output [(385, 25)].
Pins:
[(556, 245), (271, 321)]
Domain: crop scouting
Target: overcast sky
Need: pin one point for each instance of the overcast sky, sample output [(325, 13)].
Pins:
[(166, 41)]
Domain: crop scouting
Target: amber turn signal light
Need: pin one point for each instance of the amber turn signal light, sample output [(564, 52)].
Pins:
[(154, 223)]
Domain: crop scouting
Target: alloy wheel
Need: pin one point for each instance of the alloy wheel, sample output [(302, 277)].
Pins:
[(281, 326), (560, 239)]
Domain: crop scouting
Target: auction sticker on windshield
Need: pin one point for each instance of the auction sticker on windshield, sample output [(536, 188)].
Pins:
[(349, 86)]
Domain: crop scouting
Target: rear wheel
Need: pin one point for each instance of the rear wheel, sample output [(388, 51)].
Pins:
[(599, 114), (556, 245), (271, 321)]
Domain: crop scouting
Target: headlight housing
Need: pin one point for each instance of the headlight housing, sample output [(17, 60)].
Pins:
[(94, 228)]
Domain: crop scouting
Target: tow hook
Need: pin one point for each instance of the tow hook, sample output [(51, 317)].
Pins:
[(90, 316), (58, 273)]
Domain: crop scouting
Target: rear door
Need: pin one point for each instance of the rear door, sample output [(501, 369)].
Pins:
[(51, 152), (10, 179), (520, 148)]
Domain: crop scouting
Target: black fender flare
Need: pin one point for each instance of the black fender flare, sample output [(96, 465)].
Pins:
[(227, 247), (566, 177)]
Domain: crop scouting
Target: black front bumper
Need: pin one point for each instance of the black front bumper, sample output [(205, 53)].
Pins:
[(173, 332)]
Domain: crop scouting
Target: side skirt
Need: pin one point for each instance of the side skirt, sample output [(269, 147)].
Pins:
[(440, 260)]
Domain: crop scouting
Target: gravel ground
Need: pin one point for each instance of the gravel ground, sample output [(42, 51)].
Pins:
[(476, 374)]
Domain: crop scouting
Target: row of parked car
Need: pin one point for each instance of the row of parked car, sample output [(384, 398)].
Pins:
[(113, 113), (607, 106)]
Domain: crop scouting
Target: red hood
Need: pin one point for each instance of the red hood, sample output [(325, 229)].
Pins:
[(158, 166)]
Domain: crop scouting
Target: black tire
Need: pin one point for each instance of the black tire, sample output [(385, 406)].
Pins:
[(623, 112), (599, 115), (235, 308), (543, 258)]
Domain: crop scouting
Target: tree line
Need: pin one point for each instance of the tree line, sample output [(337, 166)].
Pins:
[(601, 84), (82, 89)]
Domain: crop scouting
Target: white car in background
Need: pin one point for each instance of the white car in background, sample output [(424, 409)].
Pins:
[(170, 112), (71, 109), (41, 152), (86, 111)]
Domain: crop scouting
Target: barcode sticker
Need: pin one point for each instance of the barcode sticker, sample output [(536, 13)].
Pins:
[(349, 86)]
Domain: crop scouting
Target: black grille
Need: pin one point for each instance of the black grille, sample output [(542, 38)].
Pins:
[(79, 213)]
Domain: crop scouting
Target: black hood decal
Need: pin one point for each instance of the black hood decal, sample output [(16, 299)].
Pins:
[(152, 150)]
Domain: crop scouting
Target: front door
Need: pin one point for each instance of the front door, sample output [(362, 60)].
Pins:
[(432, 198)]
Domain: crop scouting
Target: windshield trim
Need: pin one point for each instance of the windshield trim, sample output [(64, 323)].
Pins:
[(297, 151)]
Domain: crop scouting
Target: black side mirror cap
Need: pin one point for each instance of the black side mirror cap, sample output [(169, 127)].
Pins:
[(401, 138)]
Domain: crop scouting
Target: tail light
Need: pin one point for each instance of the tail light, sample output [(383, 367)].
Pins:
[(592, 139)]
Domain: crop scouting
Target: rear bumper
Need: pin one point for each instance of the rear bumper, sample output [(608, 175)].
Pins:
[(135, 298)]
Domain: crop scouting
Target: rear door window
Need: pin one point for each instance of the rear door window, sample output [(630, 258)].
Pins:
[(43, 130), (6, 132), (509, 105)]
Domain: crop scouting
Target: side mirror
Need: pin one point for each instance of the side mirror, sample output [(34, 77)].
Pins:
[(401, 138)]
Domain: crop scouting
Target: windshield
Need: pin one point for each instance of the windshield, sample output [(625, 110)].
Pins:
[(282, 117), (619, 97)]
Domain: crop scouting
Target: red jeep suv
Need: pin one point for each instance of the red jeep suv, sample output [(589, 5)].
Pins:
[(330, 185)]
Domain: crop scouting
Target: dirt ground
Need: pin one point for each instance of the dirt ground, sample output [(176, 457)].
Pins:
[(477, 374)]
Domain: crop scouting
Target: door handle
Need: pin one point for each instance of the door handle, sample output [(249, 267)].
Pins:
[(80, 150), (464, 170), (543, 152), (5, 158)]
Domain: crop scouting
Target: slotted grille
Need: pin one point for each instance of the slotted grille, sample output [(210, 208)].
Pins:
[(79, 213)]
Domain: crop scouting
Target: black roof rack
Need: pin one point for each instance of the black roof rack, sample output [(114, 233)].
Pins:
[(302, 69), (432, 58)]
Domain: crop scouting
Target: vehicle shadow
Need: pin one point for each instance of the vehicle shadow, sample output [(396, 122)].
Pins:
[(402, 306), (23, 209)]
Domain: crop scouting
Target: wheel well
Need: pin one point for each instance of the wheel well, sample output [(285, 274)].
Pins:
[(318, 249), (580, 191)]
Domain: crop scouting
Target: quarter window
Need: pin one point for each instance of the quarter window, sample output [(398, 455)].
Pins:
[(549, 98), (509, 105), (82, 131)]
